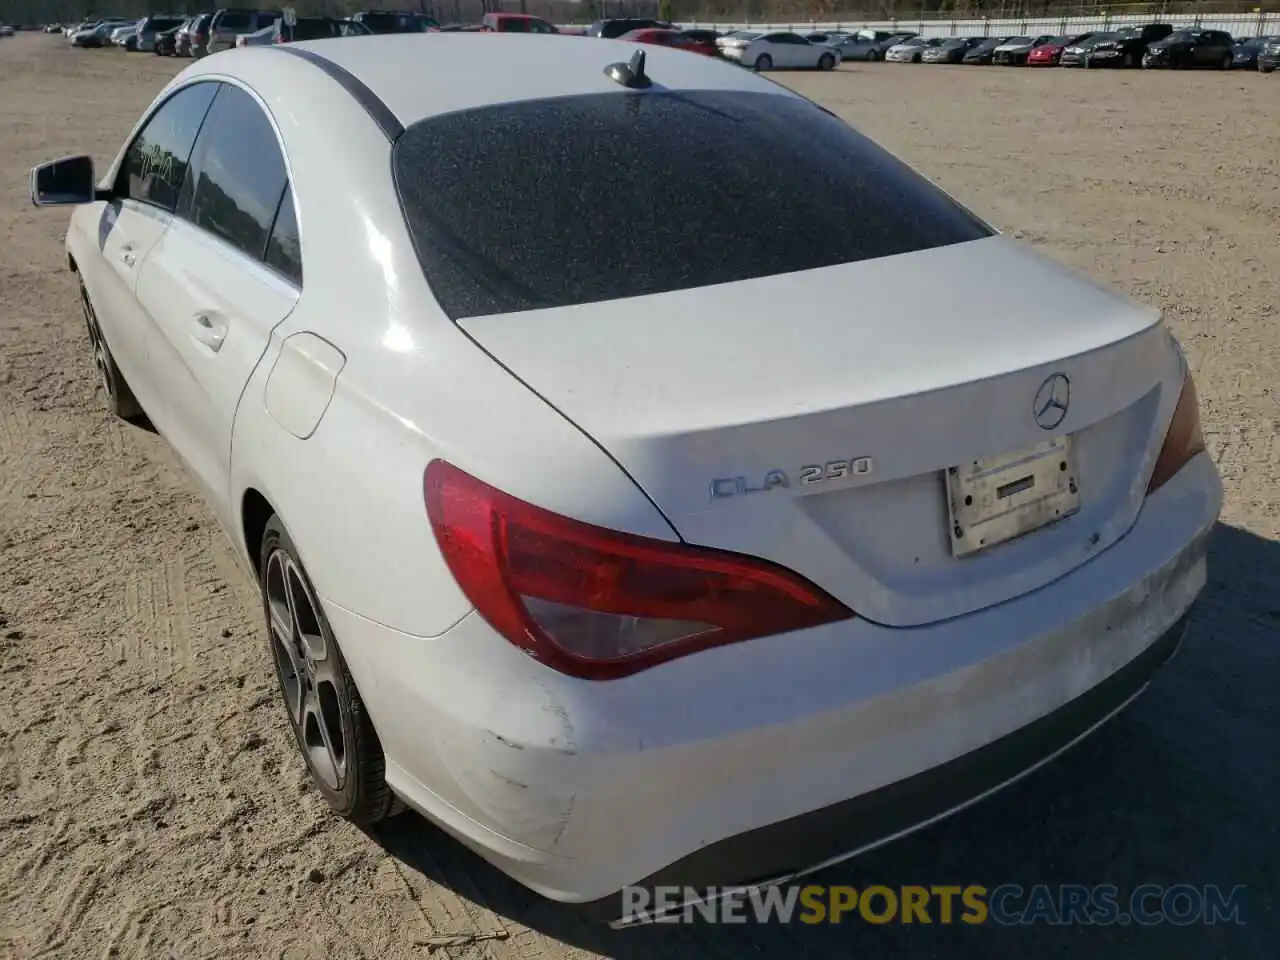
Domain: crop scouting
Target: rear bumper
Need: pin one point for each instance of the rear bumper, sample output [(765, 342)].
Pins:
[(786, 851), (738, 765)]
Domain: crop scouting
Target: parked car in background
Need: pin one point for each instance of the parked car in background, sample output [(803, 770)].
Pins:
[(614, 28), (1050, 54), (97, 35), (1077, 54), (984, 51), (149, 28), (1126, 48), (53, 28), (166, 43), (396, 21), (912, 50), (1269, 56), (1187, 49), (229, 23), (306, 28), (835, 38), (871, 44), (6, 30), (116, 37), (1244, 55), (192, 35), (951, 50), (703, 37), (516, 23), (780, 50), (679, 39), (1014, 53)]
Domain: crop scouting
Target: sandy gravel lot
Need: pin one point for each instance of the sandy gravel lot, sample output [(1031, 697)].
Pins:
[(152, 805)]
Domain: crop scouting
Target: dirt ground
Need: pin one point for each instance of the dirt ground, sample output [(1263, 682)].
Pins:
[(152, 803)]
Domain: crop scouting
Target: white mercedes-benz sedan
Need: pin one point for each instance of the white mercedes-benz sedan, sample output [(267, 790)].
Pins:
[(612, 538)]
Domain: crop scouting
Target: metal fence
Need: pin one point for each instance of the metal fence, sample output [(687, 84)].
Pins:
[(1250, 24)]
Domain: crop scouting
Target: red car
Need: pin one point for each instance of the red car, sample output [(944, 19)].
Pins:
[(515, 23), (1048, 54), (693, 41)]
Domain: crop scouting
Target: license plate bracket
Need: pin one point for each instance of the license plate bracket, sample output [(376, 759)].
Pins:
[(992, 500)]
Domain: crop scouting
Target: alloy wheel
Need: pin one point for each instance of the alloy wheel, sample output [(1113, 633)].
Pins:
[(306, 669), (101, 357)]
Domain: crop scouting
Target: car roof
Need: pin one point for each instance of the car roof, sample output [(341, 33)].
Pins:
[(416, 76)]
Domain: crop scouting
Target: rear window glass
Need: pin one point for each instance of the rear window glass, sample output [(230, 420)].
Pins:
[(549, 203), (234, 21)]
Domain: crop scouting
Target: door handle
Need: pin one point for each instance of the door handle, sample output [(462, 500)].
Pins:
[(209, 331)]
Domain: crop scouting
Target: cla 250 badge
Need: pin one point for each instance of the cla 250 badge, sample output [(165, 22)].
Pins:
[(725, 487)]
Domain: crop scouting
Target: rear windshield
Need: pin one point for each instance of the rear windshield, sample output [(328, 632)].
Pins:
[(550, 203)]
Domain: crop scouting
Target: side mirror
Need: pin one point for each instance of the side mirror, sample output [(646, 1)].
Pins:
[(63, 181)]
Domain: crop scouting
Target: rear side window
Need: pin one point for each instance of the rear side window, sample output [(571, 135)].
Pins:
[(284, 252), (156, 162), (237, 173), (234, 21), (548, 203)]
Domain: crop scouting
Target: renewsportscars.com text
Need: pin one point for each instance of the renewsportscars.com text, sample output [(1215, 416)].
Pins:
[(1004, 905)]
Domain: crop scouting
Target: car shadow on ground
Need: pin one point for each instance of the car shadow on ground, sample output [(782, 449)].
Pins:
[(1179, 789)]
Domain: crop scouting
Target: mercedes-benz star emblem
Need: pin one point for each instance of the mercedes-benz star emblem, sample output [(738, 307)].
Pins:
[(1052, 400)]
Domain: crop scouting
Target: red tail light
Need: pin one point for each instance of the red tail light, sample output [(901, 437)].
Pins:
[(600, 604)]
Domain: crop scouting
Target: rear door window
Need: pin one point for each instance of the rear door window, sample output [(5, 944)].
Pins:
[(550, 203), (237, 174)]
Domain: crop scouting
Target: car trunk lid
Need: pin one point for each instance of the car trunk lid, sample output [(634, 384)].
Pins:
[(715, 399)]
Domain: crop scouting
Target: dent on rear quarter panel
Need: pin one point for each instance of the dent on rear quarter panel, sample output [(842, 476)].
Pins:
[(512, 769)]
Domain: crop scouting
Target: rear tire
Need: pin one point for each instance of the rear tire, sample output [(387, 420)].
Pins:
[(330, 724), (120, 399), (1266, 67), (1227, 61), (764, 62), (826, 62)]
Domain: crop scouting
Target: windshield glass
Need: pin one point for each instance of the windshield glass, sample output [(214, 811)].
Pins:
[(1013, 40), (953, 44), (581, 199), (1099, 38)]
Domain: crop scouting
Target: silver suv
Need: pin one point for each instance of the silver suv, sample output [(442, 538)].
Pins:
[(229, 23)]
